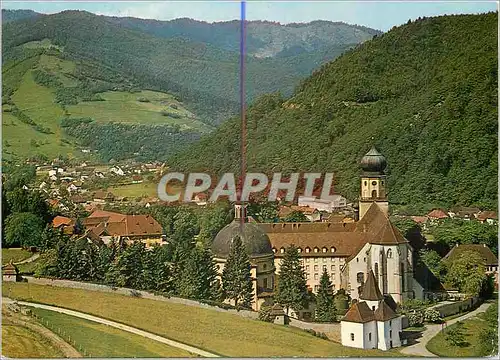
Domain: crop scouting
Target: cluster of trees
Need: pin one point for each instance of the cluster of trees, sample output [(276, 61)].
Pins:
[(456, 231), (421, 120), (292, 292), (149, 60), (466, 273), (26, 216), (125, 141)]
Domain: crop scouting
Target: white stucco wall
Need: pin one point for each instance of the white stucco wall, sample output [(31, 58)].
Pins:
[(370, 335), (346, 329)]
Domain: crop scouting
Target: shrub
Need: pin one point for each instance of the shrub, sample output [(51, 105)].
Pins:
[(416, 318), (432, 315), (265, 314)]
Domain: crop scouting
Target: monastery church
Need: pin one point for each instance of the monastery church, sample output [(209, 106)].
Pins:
[(368, 258)]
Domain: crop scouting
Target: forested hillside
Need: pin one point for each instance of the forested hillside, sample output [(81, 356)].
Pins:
[(426, 92), (203, 71)]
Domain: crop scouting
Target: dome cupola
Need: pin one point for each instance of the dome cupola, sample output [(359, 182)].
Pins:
[(373, 161)]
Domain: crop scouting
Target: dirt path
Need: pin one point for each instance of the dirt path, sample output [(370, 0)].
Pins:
[(419, 348), (28, 260), (25, 321), (114, 324)]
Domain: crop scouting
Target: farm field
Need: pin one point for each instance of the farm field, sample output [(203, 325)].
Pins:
[(15, 255), (219, 332), (21, 342), (98, 340), (124, 107), (147, 189)]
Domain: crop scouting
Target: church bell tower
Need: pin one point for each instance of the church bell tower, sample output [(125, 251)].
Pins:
[(373, 182)]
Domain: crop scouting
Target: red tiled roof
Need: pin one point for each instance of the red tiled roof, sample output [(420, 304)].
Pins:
[(384, 312), (420, 219), (112, 216), (484, 215), (437, 214), (115, 224), (60, 221), (359, 312)]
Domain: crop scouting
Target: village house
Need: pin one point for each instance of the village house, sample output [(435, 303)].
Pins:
[(310, 213), (129, 228), (490, 217), (103, 197), (64, 224), (10, 272), (335, 203), (490, 260), (437, 215), (371, 323)]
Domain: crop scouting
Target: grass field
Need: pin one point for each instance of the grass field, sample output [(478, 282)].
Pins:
[(472, 328), (38, 103), (124, 107), (135, 190), (15, 255), (223, 333), (98, 340), (21, 342)]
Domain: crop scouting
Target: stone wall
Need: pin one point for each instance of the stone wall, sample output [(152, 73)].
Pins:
[(332, 330), (458, 307), (130, 292)]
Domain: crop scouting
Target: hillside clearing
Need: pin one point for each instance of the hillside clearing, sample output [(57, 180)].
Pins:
[(125, 107)]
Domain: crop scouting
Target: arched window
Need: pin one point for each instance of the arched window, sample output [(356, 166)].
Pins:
[(325, 249), (274, 250), (300, 250), (374, 193), (332, 249), (366, 183), (389, 254), (282, 250), (308, 249), (316, 250), (376, 272), (374, 183), (360, 277), (264, 266)]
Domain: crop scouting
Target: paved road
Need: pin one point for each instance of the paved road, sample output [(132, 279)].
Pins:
[(130, 329), (419, 348)]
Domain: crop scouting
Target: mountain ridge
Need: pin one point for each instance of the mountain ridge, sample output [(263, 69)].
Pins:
[(411, 89)]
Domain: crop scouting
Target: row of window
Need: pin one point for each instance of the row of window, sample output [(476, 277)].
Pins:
[(370, 336), (325, 259), (316, 288), (316, 276), (316, 267), (307, 250), (389, 256)]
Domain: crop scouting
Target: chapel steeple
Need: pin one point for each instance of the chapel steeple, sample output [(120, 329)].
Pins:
[(373, 182)]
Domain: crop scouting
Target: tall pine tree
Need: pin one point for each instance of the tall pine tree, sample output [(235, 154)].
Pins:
[(325, 307), (292, 289), (199, 276), (236, 279)]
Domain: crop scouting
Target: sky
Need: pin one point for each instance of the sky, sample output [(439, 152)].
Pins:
[(381, 15)]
